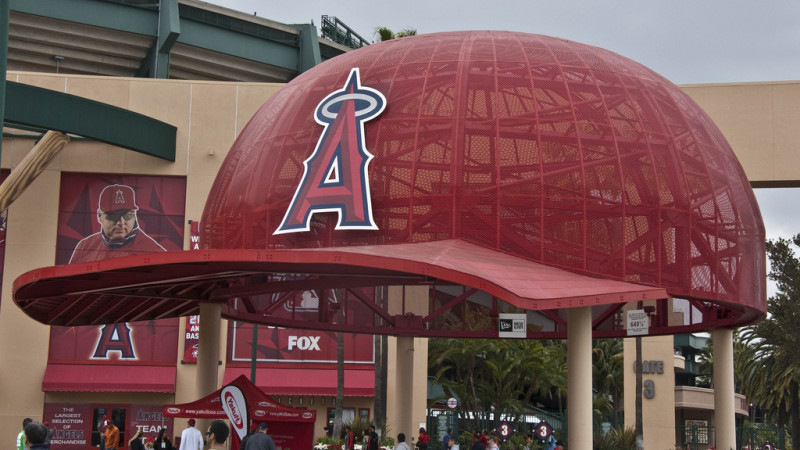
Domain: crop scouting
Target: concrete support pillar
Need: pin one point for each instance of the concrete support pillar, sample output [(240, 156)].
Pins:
[(404, 384), (724, 418), (208, 345), (579, 378)]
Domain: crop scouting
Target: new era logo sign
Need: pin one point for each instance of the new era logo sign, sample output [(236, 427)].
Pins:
[(512, 326)]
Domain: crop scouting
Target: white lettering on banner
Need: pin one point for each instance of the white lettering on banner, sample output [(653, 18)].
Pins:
[(304, 342)]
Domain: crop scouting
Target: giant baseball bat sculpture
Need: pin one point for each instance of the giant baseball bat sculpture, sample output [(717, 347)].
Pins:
[(31, 166)]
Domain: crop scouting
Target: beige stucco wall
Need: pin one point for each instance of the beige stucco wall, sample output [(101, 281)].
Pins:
[(208, 116), (759, 120), (658, 413)]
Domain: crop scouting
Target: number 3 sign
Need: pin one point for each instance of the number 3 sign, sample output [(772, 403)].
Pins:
[(543, 430), (504, 430)]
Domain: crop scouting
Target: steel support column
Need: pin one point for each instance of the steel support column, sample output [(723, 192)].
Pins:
[(156, 64), (309, 47)]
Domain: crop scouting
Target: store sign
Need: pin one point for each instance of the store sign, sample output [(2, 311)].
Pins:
[(71, 425), (649, 367), (285, 345), (512, 326)]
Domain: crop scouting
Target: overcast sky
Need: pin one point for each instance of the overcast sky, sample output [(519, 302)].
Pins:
[(687, 41)]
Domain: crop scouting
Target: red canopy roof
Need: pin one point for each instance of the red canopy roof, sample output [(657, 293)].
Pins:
[(103, 378), (296, 381)]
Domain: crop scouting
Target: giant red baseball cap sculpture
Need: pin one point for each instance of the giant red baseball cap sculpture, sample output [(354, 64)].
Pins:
[(506, 171)]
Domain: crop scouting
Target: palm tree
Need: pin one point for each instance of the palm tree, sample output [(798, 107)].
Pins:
[(504, 374), (386, 34), (607, 372), (770, 367)]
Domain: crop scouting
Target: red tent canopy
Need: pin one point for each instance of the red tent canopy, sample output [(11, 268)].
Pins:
[(260, 406), (295, 429)]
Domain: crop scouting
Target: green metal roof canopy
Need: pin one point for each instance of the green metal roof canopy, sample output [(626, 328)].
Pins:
[(52, 110)]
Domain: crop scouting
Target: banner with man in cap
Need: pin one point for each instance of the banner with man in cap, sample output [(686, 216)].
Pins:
[(155, 204), (120, 233)]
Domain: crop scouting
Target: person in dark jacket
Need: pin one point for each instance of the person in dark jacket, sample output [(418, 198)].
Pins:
[(35, 436), (372, 443), (162, 441), (135, 443)]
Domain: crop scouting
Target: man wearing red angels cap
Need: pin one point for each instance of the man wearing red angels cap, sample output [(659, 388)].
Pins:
[(192, 438), (120, 234)]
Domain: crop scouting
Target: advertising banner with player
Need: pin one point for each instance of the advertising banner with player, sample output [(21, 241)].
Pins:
[(107, 216)]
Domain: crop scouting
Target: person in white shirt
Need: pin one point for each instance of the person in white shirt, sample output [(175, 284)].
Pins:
[(401, 442), (192, 438), (452, 444)]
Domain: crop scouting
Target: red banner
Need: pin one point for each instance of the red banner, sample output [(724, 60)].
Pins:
[(284, 345), (3, 223), (106, 216), (190, 343), (75, 426), (71, 425), (194, 235), (149, 419), (146, 214), (138, 343), (191, 339)]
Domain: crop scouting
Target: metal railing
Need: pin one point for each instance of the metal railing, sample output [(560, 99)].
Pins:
[(335, 30)]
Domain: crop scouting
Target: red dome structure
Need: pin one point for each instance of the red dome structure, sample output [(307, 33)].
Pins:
[(541, 148), (507, 171)]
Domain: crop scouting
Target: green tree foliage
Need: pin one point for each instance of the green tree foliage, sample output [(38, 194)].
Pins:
[(608, 377), (504, 375), (769, 365), (619, 438), (385, 34), (512, 375)]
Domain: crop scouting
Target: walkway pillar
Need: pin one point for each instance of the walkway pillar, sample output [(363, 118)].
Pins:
[(724, 418), (579, 378), (208, 344), (404, 383)]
